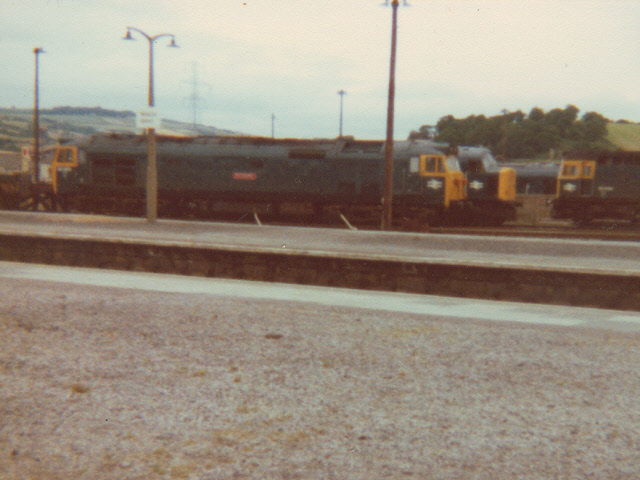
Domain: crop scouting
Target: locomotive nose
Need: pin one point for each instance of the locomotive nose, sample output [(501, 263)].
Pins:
[(460, 182)]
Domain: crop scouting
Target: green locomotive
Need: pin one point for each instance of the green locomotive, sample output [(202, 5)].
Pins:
[(598, 186), (201, 177)]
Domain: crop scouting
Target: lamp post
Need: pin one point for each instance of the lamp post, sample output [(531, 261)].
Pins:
[(36, 123), (503, 141), (387, 199), (152, 169), (342, 93)]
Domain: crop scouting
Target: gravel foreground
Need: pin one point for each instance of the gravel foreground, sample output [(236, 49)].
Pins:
[(104, 383)]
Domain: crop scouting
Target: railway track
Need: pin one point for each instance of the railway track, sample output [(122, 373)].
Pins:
[(558, 229), (612, 232)]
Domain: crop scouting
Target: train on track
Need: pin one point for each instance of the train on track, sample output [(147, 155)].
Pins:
[(205, 177), (598, 186)]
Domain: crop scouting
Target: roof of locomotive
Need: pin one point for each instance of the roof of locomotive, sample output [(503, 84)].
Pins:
[(604, 156), (468, 155), (248, 145)]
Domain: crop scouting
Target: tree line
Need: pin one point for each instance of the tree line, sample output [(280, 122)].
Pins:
[(98, 111), (518, 135)]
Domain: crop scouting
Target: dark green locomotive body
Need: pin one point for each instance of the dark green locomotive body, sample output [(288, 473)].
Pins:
[(202, 175), (597, 186)]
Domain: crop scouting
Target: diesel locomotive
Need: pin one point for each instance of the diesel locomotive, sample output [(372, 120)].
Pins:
[(598, 186), (203, 177), (491, 189)]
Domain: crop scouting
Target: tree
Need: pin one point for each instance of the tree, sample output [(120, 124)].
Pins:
[(425, 132), (516, 135), (594, 126), (562, 119), (536, 114)]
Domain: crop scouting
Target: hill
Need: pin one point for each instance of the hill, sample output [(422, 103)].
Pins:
[(624, 135), (16, 125)]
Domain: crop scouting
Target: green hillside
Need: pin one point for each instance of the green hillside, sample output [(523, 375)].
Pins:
[(624, 135), (16, 125)]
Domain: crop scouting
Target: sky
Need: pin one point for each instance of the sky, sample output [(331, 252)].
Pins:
[(240, 62)]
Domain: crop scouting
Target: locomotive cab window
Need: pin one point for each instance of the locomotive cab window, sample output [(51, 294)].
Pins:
[(434, 164), (571, 170), (474, 166), (66, 156), (578, 169), (438, 165), (414, 165), (453, 164), (430, 164), (588, 170)]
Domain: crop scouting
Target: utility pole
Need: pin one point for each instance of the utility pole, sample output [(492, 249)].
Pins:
[(36, 123), (387, 200), (195, 98), (273, 126), (342, 93), (505, 114)]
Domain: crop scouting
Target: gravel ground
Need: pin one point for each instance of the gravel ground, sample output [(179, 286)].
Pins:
[(106, 383)]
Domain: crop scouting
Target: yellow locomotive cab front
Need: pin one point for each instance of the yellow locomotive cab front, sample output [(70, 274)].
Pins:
[(65, 158), (446, 170), (575, 178)]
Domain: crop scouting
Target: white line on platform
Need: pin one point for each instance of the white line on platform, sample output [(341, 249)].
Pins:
[(397, 302)]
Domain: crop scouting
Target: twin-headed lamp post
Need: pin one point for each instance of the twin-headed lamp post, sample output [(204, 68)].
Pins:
[(152, 169), (152, 173)]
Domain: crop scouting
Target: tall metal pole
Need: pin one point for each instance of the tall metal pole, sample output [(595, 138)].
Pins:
[(273, 126), (388, 150), (152, 163), (342, 93), (503, 141), (152, 168), (36, 123), (150, 72)]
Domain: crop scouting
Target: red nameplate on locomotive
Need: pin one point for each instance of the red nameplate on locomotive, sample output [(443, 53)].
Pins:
[(245, 175)]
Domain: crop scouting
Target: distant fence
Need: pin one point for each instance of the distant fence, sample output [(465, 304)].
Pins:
[(535, 209)]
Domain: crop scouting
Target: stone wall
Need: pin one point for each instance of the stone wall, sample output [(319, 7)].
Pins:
[(535, 286)]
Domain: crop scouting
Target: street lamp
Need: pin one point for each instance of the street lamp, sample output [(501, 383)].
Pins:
[(342, 93), (36, 124), (152, 169), (388, 149)]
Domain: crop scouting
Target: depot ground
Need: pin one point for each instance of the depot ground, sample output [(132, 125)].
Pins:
[(114, 383)]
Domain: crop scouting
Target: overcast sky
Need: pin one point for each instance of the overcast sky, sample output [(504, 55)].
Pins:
[(247, 60)]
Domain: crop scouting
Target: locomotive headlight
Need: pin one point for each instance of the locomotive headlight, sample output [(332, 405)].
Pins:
[(569, 187), (476, 185)]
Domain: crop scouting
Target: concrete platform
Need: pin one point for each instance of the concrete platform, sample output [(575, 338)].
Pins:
[(573, 272)]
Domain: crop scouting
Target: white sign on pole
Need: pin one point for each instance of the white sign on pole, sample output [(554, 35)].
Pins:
[(147, 118)]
